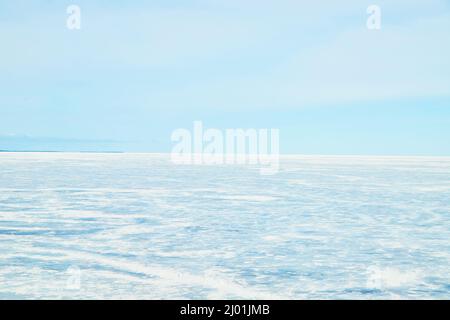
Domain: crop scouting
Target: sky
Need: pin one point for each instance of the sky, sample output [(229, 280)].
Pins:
[(137, 71)]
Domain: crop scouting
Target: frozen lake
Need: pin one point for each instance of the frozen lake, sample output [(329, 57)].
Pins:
[(137, 226)]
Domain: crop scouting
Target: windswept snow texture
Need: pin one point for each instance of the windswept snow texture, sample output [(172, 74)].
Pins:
[(137, 226)]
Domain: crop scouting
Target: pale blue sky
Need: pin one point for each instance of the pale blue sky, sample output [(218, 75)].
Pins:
[(136, 71)]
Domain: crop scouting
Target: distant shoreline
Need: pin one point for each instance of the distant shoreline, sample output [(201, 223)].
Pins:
[(47, 151), (283, 156)]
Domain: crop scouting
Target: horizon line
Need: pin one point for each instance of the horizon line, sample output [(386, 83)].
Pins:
[(280, 154)]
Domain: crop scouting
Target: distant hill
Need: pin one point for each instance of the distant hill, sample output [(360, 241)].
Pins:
[(14, 143)]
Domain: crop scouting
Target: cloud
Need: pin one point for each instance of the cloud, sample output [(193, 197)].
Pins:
[(356, 65)]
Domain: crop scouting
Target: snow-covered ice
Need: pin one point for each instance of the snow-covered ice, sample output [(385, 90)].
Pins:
[(138, 226)]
